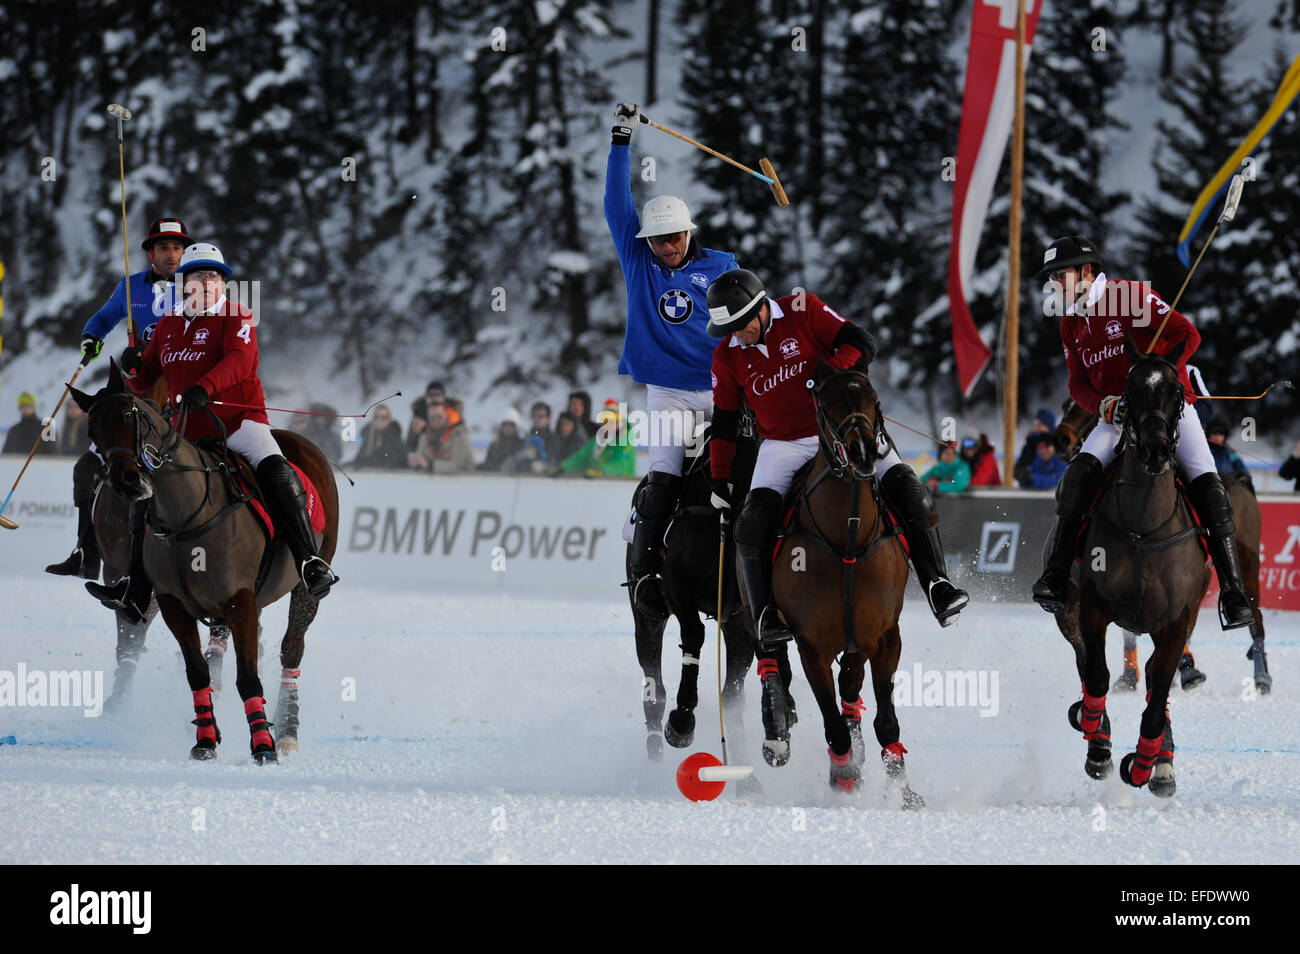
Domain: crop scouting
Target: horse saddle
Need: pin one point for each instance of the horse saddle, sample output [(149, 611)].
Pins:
[(242, 483), (789, 522)]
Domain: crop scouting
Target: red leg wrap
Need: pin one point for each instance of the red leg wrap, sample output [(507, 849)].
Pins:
[(255, 710), (853, 710), (893, 752), (205, 720), (767, 667), (1094, 707), (1145, 758)]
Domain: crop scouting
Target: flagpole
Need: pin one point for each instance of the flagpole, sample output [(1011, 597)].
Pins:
[(1011, 396)]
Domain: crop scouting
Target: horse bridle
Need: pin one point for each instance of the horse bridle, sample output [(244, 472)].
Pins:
[(150, 456), (1168, 428), (835, 437)]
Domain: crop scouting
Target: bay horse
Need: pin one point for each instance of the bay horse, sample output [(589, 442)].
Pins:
[(111, 517), (839, 578), (690, 585), (1076, 424), (1142, 568), (204, 551)]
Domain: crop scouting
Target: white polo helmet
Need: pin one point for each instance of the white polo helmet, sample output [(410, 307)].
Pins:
[(665, 215), (203, 255)]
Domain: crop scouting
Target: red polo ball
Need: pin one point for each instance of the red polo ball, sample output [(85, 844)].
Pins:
[(688, 778)]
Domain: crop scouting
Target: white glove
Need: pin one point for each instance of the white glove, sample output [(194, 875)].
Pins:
[(626, 118)]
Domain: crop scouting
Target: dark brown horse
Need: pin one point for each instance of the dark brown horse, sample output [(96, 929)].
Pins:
[(690, 585), (1077, 423), (204, 551), (839, 579), (1142, 568)]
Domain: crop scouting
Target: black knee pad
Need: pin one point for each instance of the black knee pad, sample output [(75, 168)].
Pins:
[(658, 495), (84, 473), (757, 521), (1078, 485)]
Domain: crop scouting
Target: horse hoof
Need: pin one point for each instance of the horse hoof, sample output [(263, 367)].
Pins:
[(204, 752), (841, 784), (654, 745), (776, 752), (1162, 782), (1264, 684), (1099, 769), (288, 743), (1127, 681), (1190, 677), (265, 756), (680, 730)]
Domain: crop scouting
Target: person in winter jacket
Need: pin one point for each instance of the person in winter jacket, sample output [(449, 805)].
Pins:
[(507, 444), (666, 347), (982, 461), (609, 453), (382, 447), (209, 351), (444, 446), (25, 434), (1044, 423), (152, 294), (1290, 469), (1046, 470), (1100, 316), (950, 476)]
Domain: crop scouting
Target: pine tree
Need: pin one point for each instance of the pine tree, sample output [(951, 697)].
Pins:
[(1213, 113)]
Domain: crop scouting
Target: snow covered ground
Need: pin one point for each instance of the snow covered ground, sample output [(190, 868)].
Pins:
[(509, 729)]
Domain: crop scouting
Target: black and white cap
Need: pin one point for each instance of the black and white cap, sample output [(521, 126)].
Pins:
[(165, 229), (734, 298), (1069, 251)]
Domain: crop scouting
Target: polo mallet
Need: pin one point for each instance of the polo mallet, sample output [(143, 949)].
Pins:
[(768, 174), (1285, 384), (122, 114), (701, 777), (1227, 215), (5, 522)]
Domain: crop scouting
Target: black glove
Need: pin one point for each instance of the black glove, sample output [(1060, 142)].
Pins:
[(90, 348), (721, 496), (130, 360), (194, 399), (626, 117)]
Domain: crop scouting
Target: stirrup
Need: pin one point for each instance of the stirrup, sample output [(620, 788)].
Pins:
[(1049, 597), (772, 629), (321, 586), (957, 601), (648, 596), (1244, 615), (118, 599)]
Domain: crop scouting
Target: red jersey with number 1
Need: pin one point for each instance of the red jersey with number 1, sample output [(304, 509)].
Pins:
[(216, 351)]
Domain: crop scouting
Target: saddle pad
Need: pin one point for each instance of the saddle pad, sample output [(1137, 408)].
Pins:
[(314, 510)]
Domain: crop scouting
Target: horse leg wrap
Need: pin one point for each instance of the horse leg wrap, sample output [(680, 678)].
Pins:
[(852, 710), (255, 711), (1145, 759), (1094, 707), (844, 775), (768, 666), (208, 735)]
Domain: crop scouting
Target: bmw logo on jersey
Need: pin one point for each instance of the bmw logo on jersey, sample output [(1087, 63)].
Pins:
[(675, 306)]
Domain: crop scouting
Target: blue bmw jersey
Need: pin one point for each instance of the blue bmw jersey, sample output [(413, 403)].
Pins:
[(666, 342), (149, 303)]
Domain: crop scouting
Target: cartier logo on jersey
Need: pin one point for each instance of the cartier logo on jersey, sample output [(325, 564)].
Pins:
[(762, 385), (185, 354), (1094, 358)]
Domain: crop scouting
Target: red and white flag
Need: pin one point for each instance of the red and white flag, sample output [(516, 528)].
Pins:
[(987, 108)]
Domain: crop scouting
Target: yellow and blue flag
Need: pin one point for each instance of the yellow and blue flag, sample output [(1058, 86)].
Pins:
[(1210, 195)]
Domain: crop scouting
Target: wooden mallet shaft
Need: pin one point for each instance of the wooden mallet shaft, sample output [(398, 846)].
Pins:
[(769, 177)]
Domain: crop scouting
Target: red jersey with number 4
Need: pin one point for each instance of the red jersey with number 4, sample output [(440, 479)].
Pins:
[(1094, 343), (218, 352), (772, 375)]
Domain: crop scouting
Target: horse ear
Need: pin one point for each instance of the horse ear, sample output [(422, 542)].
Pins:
[(115, 380), (1130, 347), (81, 398)]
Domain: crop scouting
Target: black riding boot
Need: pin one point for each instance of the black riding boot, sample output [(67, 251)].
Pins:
[(654, 508), (1211, 501), (132, 593), (287, 499), (1079, 485), (755, 532), (907, 497), (84, 561)]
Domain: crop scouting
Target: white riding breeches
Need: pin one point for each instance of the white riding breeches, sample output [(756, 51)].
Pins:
[(778, 461), (253, 439), (674, 415), (1193, 449)]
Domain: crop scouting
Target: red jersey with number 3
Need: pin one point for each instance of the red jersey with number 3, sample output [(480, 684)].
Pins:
[(772, 375), (1094, 343), (216, 351)]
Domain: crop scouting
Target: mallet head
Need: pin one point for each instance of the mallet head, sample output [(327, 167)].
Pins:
[(121, 112), (1234, 196)]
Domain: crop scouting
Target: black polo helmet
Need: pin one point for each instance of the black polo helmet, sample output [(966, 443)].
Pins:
[(1069, 251), (166, 229), (734, 298)]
